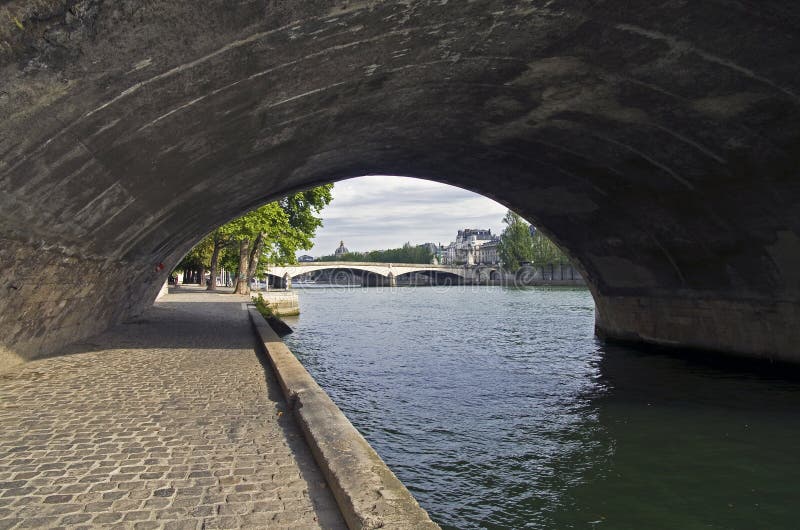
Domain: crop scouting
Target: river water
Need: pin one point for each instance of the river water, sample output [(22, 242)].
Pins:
[(499, 409)]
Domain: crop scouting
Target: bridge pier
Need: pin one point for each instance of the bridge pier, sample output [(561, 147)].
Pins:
[(286, 282), (377, 280)]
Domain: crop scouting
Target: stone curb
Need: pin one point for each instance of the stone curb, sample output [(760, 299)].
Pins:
[(369, 495)]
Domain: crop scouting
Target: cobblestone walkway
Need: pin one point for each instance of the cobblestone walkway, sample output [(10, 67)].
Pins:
[(169, 421)]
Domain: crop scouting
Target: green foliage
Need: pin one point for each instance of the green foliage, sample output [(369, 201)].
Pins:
[(349, 256), (516, 245), (263, 306), (406, 254), (229, 257), (546, 252), (198, 257), (300, 212), (271, 221), (286, 226)]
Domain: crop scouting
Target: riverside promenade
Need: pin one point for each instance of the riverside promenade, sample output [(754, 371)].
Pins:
[(169, 421)]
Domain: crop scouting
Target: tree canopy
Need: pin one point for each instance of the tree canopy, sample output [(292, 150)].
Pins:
[(270, 234), (545, 252), (516, 245), (406, 254)]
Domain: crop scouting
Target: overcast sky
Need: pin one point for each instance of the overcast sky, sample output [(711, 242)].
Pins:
[(379, 212)]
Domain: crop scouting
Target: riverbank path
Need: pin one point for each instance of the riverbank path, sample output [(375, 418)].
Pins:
[(169, 421)]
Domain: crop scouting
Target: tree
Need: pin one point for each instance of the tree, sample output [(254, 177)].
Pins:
[(545, 252), (276, 231), (516, 245), (218, 239), (406, 254), (273, 233), (251, 233), (195, 262)]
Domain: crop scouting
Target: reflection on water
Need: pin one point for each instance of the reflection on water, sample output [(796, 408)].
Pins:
[(499, 409)]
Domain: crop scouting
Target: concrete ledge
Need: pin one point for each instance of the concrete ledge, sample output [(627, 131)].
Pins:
[(283, 303), (369, 495)]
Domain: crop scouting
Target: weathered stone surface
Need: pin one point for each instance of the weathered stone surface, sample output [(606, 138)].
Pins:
[(657, 142), (163, 422)]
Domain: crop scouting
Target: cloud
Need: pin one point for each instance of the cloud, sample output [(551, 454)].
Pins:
[(378, 212)]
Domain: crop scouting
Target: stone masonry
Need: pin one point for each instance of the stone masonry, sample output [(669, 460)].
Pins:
[(168, 421), (655, 142)]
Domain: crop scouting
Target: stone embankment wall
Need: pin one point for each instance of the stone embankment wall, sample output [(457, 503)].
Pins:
[(553, 274), (283, 303), (369, 495)]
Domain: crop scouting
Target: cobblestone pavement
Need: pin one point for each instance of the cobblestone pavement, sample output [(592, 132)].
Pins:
[(169, 421)]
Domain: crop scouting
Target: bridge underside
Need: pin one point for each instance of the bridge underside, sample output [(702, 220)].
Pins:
[(656, 142)]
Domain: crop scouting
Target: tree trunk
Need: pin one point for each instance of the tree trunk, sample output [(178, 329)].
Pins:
[(214, 265), (252, 266), (201, 276), (242, 283)]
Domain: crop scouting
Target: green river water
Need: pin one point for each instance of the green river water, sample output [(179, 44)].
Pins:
[(498, 408)]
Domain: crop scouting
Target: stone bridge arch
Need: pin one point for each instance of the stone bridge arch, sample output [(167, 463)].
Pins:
[(341, 273), (381, 269), (297, 270), (373, 273), (656, 143), (437, 275)]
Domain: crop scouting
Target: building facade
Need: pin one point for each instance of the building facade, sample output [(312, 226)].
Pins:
[(488, 253), (468, 248)]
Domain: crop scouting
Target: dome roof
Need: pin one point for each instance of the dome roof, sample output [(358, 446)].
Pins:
[(341, 250)]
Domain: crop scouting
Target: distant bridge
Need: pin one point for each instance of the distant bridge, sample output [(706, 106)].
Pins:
[(387, 272)]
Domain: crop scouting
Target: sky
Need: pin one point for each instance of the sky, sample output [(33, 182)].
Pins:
[(379, 212)]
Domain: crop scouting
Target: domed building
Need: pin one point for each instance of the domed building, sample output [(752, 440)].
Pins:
[(341, 250)]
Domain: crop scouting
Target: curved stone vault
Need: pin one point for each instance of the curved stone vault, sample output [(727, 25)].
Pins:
[(657, 142)]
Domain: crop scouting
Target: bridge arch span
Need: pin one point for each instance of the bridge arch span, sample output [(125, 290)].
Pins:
[(456, 271), (380, 269), (670, 178), (297, 270)]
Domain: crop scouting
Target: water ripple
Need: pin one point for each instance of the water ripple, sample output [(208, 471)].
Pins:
[(499, 409)]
